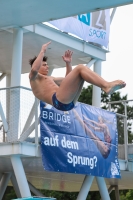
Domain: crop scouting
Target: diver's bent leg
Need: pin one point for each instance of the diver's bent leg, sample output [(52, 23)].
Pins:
[(91, 77), (78, 92), (72, 82)]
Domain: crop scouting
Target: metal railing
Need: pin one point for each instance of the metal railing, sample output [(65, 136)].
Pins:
[(123, 127), (19, 115)]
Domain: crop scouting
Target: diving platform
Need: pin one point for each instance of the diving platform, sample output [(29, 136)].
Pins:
[(22, 13), (36, 175)]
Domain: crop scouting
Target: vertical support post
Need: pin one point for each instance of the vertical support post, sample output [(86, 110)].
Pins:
[(3, 184), (15, 185), (85, 188), (20, 176), (8, 80), (96, 95), (102, 188), (15, 81), (126, 141), (125, 108), (17, 57), (96, 101), (117, 195), (126, 135), (8, 84)]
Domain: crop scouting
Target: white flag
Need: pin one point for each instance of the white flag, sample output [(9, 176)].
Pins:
[(91, 27)]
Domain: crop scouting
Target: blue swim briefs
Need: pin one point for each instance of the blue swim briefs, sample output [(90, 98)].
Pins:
[(61, 106)]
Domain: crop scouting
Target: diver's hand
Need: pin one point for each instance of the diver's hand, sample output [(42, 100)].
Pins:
[(67, 57)]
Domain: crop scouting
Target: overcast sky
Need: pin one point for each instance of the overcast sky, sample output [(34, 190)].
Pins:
[(119, 62)]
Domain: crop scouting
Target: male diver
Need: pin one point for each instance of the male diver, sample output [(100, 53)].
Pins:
[(62, 93)]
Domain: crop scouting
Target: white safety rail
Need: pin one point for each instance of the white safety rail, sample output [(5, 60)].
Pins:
[(25, 112), (122, 126), (19, 115)]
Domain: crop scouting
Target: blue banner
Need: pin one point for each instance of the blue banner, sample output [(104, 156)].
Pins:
[(82, 141)]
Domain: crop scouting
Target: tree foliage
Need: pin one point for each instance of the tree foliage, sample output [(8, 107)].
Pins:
[(9, 194), (124, 195)]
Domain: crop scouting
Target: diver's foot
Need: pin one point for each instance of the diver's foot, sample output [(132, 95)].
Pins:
[(113, 86)]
